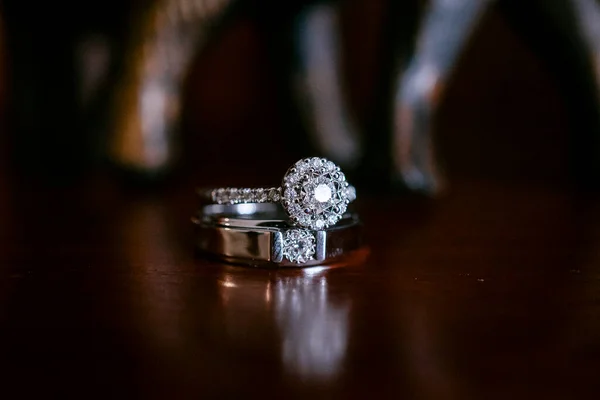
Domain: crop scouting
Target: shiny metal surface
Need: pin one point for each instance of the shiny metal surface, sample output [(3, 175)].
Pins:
[(246, 215), (260, 242), (243, 210)]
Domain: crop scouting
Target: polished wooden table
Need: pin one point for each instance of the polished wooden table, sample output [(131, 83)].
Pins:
[(492, 291)]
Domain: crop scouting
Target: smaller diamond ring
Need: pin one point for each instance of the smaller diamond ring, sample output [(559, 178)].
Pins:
[(258, 235), (314, 193)]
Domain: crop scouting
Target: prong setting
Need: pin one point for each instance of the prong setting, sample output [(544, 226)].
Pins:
[(315, 194)]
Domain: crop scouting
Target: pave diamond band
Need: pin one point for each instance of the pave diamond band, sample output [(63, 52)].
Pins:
[(314, 193), (256, 195), (245, 195)]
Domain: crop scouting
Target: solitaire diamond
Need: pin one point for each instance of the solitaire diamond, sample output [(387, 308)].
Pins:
[(315, 193), (299, 245), (322, 193)]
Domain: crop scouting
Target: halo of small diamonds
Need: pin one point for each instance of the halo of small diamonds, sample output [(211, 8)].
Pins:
[(315, 193), (299, 245)]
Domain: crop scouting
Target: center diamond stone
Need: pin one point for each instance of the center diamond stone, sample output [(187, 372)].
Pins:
[(322, 193)]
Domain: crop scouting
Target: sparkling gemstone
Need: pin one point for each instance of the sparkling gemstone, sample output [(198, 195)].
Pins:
[(322, 193), (351, 192), (232, 194), (274, 195), (261, 195), (290, 194), (219, 196), (246, 195), (299, 245), (315, 192)]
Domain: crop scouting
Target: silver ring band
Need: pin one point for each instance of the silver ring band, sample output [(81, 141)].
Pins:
[(234, 234), (242, 211), (245, 215)]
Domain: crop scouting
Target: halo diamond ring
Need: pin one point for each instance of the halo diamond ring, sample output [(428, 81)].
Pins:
[(314, 193)]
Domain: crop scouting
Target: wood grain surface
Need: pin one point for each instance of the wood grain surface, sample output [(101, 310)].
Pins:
[(490, 292)]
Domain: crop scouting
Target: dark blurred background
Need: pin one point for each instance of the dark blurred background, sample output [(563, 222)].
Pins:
[(520, 104), (112, 112)]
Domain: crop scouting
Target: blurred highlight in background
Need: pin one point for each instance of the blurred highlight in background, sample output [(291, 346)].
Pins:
[(2, 73), (146, 108)]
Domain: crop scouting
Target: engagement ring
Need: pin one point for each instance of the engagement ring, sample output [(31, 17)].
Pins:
[(314, 193)]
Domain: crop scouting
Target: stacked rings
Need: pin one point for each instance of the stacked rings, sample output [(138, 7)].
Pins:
[(304, 222)]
